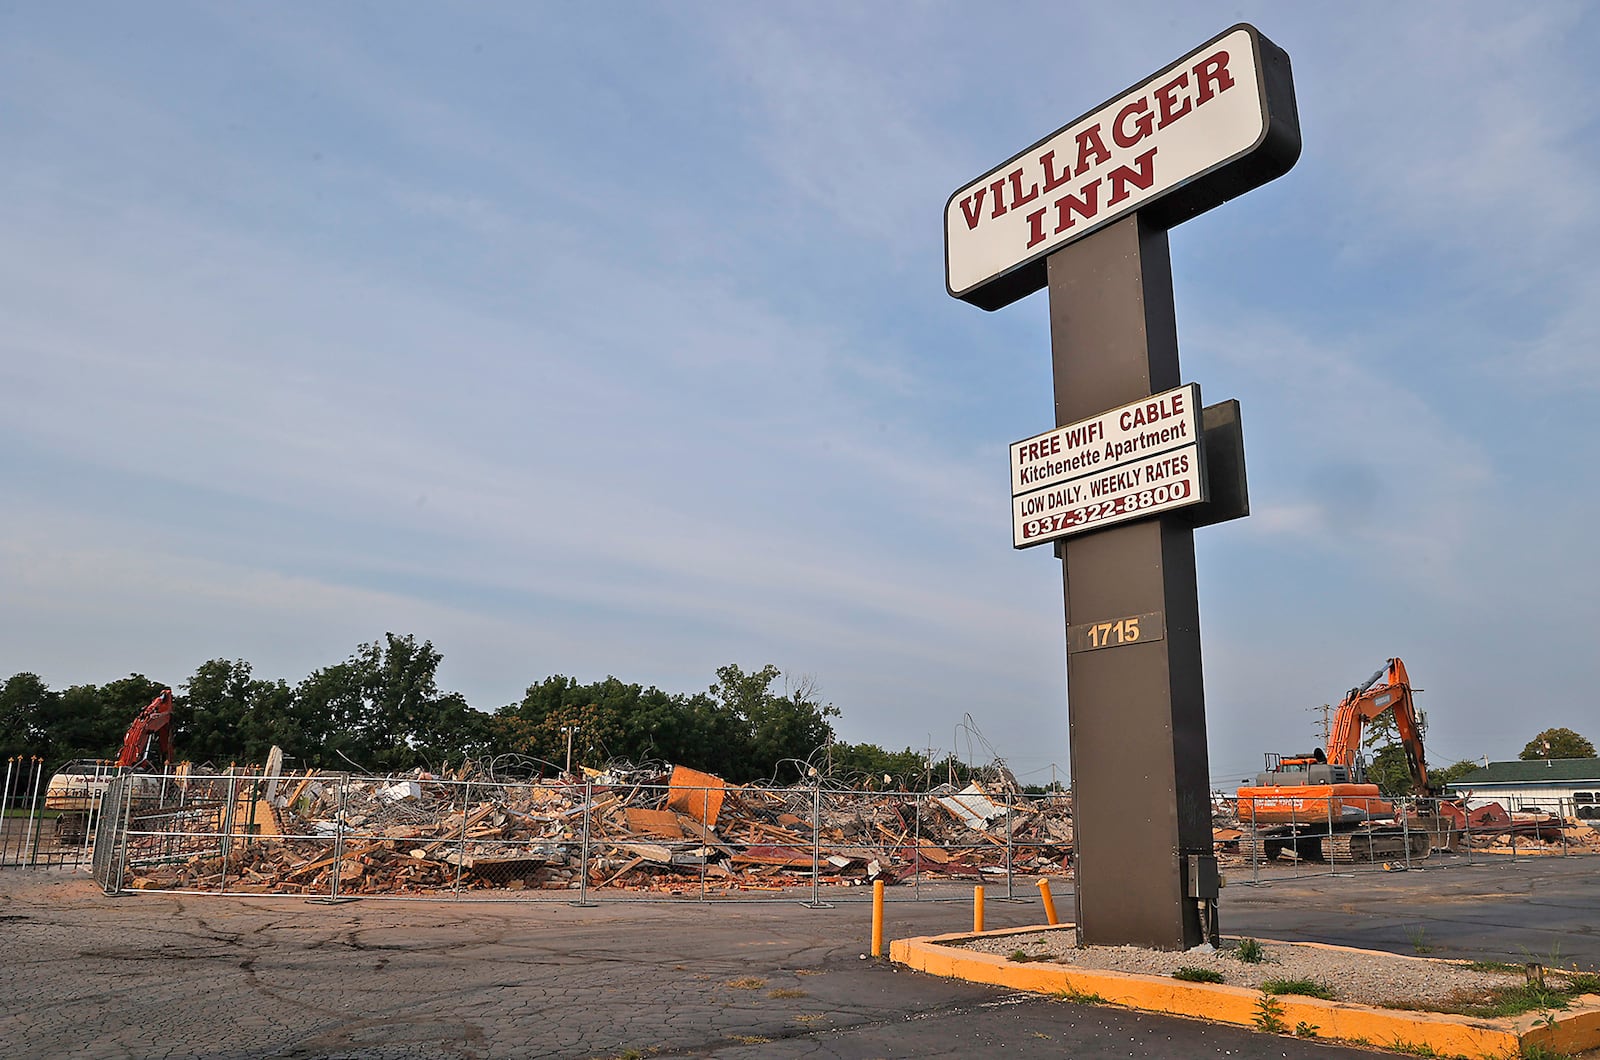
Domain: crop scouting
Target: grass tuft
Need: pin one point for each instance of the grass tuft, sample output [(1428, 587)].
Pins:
[(1250, 951), (1078, 997), (749, 982), (1191, 974), (1301, 987), (1583, 983)]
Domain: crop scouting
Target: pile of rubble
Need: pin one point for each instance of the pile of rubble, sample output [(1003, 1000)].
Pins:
[(674, 831)]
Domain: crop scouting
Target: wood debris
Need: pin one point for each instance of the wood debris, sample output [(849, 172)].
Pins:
[(673, 831)]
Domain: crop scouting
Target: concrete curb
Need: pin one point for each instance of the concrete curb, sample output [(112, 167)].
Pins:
[(1574, 1030)]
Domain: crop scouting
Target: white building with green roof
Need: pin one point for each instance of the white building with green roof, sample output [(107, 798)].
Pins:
[(1569, 787)]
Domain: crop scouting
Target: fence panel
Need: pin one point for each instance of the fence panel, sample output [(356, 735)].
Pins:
[(605, 839)]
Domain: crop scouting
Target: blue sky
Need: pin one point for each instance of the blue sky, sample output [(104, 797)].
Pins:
[(612, 339)]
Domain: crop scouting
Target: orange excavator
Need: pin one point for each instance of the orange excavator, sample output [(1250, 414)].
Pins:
[(1320, 804), (75, 791)]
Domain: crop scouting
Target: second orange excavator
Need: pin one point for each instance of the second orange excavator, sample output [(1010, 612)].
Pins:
[(1320, 804)]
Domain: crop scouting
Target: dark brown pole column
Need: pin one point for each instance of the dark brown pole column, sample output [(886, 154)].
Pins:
[(1140, 777)]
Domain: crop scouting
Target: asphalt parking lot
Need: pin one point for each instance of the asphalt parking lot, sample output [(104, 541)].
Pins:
[(190, 976)]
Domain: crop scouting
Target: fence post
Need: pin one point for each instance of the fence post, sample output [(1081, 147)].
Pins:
[(33, 816), (461, 844), (916, 851), (5, 798), (583, 851), (461, 847), (816, 843), (1333, 847), (91, 824), (338, 836), (228, 823), (1010, 849), (1405, 829), (1258, 846)]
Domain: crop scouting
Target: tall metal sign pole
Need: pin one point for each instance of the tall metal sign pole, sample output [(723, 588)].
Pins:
[(1135, 462)]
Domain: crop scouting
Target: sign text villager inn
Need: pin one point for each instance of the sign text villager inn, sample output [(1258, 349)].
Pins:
[(1189, 121)]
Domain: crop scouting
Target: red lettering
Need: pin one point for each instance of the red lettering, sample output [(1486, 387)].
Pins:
[(1122, 176), (1085, 207), (1140, 106), (1017, 198), (971, 207), (1035, 228), (1212, 71), (999, 189), (1164, 96), (1090, 144), (1052, 179)]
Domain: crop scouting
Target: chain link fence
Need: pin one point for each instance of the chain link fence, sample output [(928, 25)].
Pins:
[(336, 836), (340, 836), (1287, 839)]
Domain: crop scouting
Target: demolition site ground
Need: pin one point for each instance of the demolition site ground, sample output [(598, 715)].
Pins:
[(163, 974)]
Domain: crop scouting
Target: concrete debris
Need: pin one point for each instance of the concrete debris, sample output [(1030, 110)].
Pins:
[(674, 831)]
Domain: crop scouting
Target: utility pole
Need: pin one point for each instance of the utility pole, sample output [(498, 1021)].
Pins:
[(569, 730), (1327, 728)]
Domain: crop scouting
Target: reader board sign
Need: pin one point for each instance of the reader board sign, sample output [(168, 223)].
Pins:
[(1127, 463), (1214, 124)]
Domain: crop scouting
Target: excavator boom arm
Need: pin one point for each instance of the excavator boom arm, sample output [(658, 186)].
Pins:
[(1388, 690), (149, 738)]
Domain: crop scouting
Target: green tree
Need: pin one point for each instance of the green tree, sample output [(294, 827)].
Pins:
[(227, 715), (782, 728), (27, 707), (381, 709), (1557, 743), (91, 721), (1452, 773)]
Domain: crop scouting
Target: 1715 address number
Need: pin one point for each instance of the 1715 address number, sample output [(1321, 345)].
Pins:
[(1135, 629)]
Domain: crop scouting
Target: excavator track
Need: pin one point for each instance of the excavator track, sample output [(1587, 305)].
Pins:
[(1376, 845)]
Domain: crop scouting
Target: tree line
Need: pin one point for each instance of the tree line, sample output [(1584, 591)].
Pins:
[(381, 710)]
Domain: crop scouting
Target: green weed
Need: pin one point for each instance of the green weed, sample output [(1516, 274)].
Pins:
[(1583, 983), (1302, 987), (1269, 1015), (1024, 957), (1306, 1030), (1191, 974), (1250, 951), (1534, 1051), (1416, 935), (1078, 997)]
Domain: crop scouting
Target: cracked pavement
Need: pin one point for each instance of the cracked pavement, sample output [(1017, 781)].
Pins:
[(166, 975)]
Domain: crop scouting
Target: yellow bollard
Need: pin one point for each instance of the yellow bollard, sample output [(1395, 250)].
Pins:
[(877, 918), (977, 910), (1049, 903)]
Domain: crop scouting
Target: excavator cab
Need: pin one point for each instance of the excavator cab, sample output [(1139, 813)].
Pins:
[(1303, 769)]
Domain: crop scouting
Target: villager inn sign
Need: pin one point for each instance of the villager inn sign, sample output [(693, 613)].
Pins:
[(1135, 462), (1207, 128)]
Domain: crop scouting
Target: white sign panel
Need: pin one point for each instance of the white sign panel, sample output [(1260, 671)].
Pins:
[(1207, 111), (1126, 463), (1151, 425)]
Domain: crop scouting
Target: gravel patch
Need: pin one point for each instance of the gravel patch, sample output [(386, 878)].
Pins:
[(1380, 980)]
